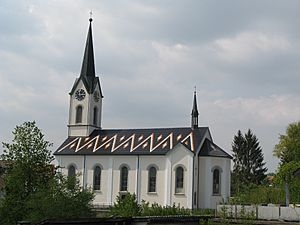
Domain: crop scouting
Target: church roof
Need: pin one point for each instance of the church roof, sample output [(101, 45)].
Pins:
[(157, 141), (211, 149)]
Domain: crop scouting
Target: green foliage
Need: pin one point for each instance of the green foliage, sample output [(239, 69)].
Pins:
[(288, 151), (223, 214), (247, 217), (33, 191), (260, 194), (207, 212), (126, 205), (285, 174), (62, 198), (248, 158), (288, 148), (158, 210), (28, 159)]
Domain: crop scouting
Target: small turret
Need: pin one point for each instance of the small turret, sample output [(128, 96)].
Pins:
[(195, 113)]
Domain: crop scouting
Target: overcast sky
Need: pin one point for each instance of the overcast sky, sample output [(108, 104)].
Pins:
[(243, 56)]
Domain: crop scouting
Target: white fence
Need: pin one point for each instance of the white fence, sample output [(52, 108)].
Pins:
[(261, 212)]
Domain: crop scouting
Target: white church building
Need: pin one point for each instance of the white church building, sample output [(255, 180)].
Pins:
[(164, 165)]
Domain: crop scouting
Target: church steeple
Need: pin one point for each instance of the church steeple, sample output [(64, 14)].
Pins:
[(195, 113), (88, 64), (86, 95)]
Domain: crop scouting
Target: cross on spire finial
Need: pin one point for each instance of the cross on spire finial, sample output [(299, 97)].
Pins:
[(91, 15), (195, 89)]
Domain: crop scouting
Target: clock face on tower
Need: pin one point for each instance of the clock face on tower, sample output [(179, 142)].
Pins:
[(80, 94), (96, 96)]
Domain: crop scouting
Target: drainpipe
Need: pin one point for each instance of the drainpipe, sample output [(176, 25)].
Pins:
[(84, 172), (138, 179)]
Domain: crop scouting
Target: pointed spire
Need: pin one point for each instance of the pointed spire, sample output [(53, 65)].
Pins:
[(195, 112), (88, 65)]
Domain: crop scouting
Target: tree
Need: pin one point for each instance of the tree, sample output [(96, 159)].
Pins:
[(28, 167), (62, 198), (238, 168), (33, 189), (288, 148), (288, 151), (248, 158)]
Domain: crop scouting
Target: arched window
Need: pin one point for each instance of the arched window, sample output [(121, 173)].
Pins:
[(216, 182), (124, 179), (71, 171), (95, 119), (152, 179), (78, 118), (97, 178), (179, 180)]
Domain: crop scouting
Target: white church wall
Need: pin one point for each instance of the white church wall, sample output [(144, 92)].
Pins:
[(197, 178), (159, 163), (102, 196), (99, 107), (119, 161), (206, 166), (166, 167), (204, 183), (77, 161), (181, 156)]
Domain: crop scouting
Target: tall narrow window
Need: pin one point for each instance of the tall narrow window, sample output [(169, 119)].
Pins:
[(78, 118), (97, 178), (124, 179), (95, 116), (179, 179), (152, 179), (71, 171), (216, 182)]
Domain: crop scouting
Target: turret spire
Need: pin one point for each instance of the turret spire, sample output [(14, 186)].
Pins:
[(88, 65), (195, 112)]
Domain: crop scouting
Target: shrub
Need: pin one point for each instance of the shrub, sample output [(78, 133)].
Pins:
[(126, 205)]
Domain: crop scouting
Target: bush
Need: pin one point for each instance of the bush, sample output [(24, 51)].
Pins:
[(261, 195), (158, 210), (126, 205)]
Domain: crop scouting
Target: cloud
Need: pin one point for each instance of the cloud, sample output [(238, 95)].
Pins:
[(242, 56), (268, 110), (248, 45)]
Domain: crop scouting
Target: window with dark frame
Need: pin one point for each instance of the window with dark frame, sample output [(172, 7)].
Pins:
[(124, 179), (216, 182), (95, 119), (71, 171), (97, 178), (179, 176), (78, 118), (152, 179)]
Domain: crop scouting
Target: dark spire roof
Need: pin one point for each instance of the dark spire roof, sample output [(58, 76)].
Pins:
[(87, 74), (195, 112), (88, 65)]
